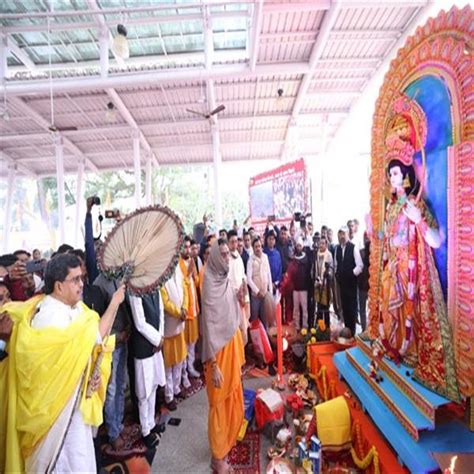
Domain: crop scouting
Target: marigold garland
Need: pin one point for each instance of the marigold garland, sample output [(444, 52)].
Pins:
[(357, 451), (321, 378), (371, 457)]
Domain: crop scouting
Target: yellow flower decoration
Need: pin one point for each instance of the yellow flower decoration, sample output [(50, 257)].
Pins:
[(322, 325), (313, 331), (304, 331), (313, 340)]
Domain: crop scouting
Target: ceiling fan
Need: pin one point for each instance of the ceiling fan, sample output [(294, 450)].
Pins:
[(218, 109)]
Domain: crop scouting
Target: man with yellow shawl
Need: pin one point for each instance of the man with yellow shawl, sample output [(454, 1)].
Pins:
[(223, 355), (191, 327), (175, 302), (50, 394)]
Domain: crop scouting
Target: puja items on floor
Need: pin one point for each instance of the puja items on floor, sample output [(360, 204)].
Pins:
[(300, 384), (310, 455), (269, 407)]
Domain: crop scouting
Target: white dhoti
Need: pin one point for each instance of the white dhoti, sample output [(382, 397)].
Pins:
[(149, 373), (68, 446)]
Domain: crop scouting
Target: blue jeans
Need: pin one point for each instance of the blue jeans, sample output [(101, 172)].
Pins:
[(115, 400)]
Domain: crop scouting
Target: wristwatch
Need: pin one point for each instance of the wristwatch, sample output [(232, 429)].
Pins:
[(3, 352)]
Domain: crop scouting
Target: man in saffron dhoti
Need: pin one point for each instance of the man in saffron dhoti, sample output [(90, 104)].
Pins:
[(223, 356), (175, 302), (48, 381)]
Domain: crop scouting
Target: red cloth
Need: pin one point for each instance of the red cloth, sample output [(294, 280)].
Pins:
[(260, 340), (17, 292), (263, 415)]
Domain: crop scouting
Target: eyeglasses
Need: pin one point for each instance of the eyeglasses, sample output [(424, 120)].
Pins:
[(76, 280)]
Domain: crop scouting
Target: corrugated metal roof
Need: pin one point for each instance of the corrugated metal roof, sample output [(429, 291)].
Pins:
[(171, 38)]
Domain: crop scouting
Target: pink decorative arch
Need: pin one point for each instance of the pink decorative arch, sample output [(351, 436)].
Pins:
[(442, 47)]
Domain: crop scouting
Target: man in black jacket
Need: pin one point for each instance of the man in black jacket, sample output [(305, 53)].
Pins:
[(348, 266), (146, 344)]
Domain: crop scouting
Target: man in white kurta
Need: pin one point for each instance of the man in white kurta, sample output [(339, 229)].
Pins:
[(238, 281), (76, 454), (147, 341), (67, 446)]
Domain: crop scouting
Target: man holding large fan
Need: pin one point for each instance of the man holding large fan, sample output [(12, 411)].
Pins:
[(55, 379)]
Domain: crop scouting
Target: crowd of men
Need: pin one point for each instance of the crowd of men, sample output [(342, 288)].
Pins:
[(157, 336)]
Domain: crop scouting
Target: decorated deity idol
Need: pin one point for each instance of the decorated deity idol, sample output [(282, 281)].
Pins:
[(413, 325)]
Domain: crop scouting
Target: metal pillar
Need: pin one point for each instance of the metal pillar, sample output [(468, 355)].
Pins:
[(3, 58), (136, 167), (322, 161), (217, 159), (104, 52), (59, 148), (7, 221), (79, 202), (148, 197)]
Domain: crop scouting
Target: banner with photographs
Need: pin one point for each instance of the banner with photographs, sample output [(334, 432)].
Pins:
[(279, 193)]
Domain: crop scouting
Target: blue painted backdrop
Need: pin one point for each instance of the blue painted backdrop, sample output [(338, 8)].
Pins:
[(432, 95)]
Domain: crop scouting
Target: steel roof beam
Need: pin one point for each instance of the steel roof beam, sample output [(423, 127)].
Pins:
[(21, 168), (149, 19), (185, 123), (257, 22), (229, 71), (42, 122), (20, 54), (327, 24), (128, 117)]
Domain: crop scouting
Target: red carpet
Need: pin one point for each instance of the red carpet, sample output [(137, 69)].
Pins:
[(245, 456), (135, 465)]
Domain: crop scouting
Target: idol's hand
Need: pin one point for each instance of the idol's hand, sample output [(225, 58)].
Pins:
[(412, 212), (217, 377)]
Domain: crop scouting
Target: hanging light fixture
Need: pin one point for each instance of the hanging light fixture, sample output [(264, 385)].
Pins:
[(120, 43), (110, 113)]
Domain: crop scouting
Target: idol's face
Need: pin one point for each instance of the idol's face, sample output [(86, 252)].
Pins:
[(396, 177)]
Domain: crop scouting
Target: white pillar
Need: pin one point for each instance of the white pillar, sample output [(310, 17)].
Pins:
[(148, 180), (3, 58), (79, 203), (59, 147), (217, 159), (322, 161), (7, 221), (136, 167), (104, 52)]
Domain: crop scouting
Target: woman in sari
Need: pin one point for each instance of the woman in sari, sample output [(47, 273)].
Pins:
[(223, 356)]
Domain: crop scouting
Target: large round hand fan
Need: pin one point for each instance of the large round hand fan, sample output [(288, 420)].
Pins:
[(143, 248)]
